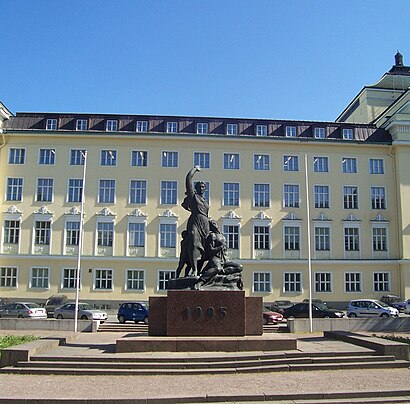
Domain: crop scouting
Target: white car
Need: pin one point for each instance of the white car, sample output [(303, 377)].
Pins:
[(370, 308), (85, 312)]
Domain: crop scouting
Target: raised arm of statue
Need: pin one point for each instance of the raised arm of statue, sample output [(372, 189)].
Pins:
[(188, 181)]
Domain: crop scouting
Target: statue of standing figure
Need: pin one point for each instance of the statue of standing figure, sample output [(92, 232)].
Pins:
[(202, 242)]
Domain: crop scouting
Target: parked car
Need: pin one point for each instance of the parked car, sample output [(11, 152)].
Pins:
[(271, 317), (23, 310), (133, 311), (53, 302), (280, 305), (407, 307), (370, 308), (394, 301), (85, 312), (314, 301), (319, 310)]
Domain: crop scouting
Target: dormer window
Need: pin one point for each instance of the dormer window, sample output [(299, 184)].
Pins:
[(142, 126), (81, 124), (202, 128), (51, 124), (232, 129), (290, 131), (261, 130), (347, 134), (172, 127), (111, 125), (320, 133)]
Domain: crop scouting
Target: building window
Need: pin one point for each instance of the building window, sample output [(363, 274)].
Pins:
[(136, 233), (108, 158), (111, 125), (70, 278), (106, 192), (381, 281), (231, 161), (232, 129), (105, 234), (350, 197), (320, 164), (290, 196), (81, 124), (261, 239), (376, 166), (323, 282), (47, 156), (321, 195), (45, 189), (261, 130), (17, 156), (292, 282), (168, 192), (169, 159), (11, 231), (8, 277), (135, 279), (72, 233), (14, 189), (168, 235), (231, 194), (290, 163), (351, 236), (261, 162), (202, 159), (320, 133), (77, 157), (353, 282), (322, 238), (261, 195), (103, 279), (138, 192), (163, 277), (139, 158), (231, 233), (347, 134), (142, 126), (172, 127), (42, 232), (292, 238), (75, 190), (201, 128), (51, 124), (290, 131), (39, 278), (378, 197), (349, 165), (261, 282), (379, 237)]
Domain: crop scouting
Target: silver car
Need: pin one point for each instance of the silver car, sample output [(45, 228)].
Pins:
[(23, 310), (85, 312), (370, 308)]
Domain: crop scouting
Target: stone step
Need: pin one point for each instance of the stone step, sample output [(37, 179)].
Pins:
[(75, 370), (154, 364)]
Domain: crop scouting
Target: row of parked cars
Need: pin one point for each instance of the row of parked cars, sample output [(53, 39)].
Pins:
[(387, 306), (59, 307)]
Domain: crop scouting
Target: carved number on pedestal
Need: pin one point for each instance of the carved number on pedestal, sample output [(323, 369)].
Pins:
[(198, 312)]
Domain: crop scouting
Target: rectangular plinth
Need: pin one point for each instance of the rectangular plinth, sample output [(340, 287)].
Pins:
[(205, 313), (197, 344)]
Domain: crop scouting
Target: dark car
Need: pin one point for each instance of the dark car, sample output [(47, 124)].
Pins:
[(280, 305), (319, 310), (394, 301), (133, 311), (53, 302)]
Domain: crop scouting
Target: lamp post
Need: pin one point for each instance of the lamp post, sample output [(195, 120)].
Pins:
[(309, 243), (80, 241)]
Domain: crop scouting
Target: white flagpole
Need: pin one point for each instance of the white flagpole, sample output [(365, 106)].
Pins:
[(80, 242), (309, 243)]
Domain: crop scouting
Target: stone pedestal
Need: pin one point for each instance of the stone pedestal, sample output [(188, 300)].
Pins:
[(205, 313)]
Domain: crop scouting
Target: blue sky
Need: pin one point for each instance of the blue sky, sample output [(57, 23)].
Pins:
[(293, 59)]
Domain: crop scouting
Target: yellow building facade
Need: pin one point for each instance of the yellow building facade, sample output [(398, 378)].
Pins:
[(269, 182)]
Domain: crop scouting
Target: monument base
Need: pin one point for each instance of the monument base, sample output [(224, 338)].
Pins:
[(205, 313)]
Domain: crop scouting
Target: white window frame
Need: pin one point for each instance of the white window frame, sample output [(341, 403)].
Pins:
[(14, 189), (322, 237), (378, 201), (44, 278), (290, 131), (46, 156), (386, 282), (323, 278), (172, 127), (320, 164), (385, 227), (231, 161), (296, 238), (138, 195), (111, 125), (51, 124), (141, 126), (261, 130), (232, 129), (109, 192), (163, 275), (71, 278), (264, 284), (17, 156), (349, 165), (261, 195), (76, 157), (358, 235), (141, 160), (293, 283), (81, 124), (202, 159), (320, 133), (290, 163), (108, 279), (291, 196), (348, 134), (320, 198), (45, 189), (108, 158), (376, 166), (261, 166), (202, 128), (352, 201), (171, 194), (8, 277), (229, 194), (169, 159), (138, 280), (74, 190), (353, 282)]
